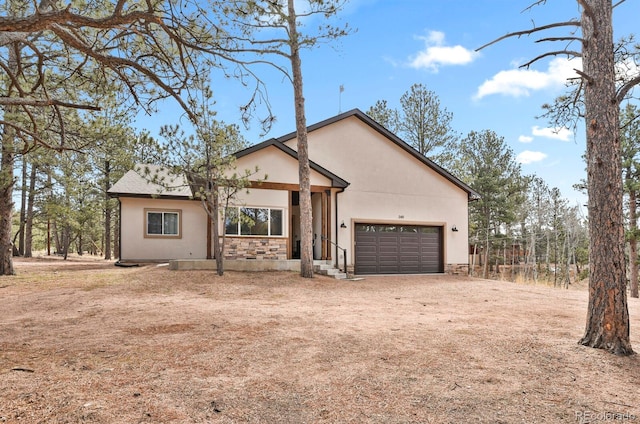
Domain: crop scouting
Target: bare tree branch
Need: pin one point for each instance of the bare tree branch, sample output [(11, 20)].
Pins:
[(624, 90), (552, 39), (534, 4), (570, 53), (519, 34), (584, 76)]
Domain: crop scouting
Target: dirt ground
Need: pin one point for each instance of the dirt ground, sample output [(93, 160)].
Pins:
[(85, 341)]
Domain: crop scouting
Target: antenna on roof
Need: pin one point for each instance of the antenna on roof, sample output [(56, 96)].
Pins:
[(340, 99)]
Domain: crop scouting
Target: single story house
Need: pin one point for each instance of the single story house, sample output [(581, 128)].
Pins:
[(391, 208)]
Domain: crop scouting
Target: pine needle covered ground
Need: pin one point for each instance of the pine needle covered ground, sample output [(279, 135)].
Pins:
[(84, 341)]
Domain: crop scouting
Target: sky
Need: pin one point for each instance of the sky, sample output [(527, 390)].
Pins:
[(398, 43)]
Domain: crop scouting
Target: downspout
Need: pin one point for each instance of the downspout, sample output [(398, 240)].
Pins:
[(120, 229), (470, 266)]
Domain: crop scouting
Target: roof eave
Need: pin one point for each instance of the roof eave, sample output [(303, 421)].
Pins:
[(149, 196)]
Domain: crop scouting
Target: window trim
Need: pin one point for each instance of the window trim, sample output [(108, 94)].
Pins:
[(239, 223), (145, 229)]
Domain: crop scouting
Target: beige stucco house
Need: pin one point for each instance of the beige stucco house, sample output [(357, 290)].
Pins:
[(391, 209)]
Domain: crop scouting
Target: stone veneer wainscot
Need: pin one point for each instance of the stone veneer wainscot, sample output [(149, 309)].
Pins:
[(255, 248)]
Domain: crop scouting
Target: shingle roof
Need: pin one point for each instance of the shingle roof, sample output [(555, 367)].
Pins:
[(151, 181)]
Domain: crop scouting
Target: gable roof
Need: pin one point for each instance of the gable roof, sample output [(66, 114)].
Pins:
[(357, 113), (336, 181), (151, 181)]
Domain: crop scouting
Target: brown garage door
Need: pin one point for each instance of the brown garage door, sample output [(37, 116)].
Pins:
[(398, 249)]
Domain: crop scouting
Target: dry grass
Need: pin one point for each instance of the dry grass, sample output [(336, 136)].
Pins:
[(90, 342)]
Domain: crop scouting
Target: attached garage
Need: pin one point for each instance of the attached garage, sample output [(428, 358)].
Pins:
[(398, 249)]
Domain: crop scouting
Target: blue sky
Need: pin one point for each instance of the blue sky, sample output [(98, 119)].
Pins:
[(398, 43)]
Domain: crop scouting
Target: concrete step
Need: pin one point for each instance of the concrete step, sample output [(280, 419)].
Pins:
[(329, 270)]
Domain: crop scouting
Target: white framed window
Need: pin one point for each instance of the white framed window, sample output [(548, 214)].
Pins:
[(248, 221), (162, 223)]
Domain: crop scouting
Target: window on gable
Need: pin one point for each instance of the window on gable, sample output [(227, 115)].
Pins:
[(254, 221), (162, 223)]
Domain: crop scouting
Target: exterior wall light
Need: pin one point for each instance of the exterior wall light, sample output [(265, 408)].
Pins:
[(343, 225), (454, 228)]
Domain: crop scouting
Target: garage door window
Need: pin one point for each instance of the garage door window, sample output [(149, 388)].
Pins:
[(377, 228), (365, 228), (430, 230), (408, 229)]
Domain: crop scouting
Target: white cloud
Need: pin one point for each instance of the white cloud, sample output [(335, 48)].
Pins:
[(521, 82), (525, 139), (437, 54), (528, 157), (561, 133)]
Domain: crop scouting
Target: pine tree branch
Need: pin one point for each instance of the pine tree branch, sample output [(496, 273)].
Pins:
[(17, 101), (624, 90), (519, 34), (570, 53)]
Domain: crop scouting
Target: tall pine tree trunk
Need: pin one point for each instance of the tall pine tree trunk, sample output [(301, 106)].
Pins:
[(218, 248), (7, 162), (107, 211), (306, 228), (534, 259), (28, 231), (57, 241), (633, 241), (66, 240), (23, 205), (6, 202), (487, 255), (608, 317)]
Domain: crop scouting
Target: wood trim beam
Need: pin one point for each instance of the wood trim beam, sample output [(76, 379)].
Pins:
[(285, 186)]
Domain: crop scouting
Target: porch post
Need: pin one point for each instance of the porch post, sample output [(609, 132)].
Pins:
[(209, 237), (290, 239), (326, 224)]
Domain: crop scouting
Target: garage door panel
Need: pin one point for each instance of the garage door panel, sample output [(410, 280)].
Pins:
[(430, 246), (410, 267), (387, 259), (388, 268), (388, 241), (432, 251), (367, 249), (388, 250), (368, 239)]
